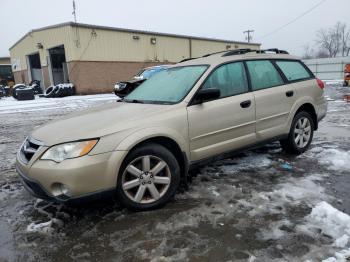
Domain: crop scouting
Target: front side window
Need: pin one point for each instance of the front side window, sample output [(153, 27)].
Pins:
[(293, 70), (263, 74), (230, 79), (168, 86)]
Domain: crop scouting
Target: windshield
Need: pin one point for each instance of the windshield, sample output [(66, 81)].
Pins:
[(168, 86), (148, 73)]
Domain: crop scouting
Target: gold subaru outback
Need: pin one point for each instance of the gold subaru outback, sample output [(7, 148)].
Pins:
[(141, 147)]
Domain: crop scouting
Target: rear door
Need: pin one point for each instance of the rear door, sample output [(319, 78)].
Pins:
[(297, 74), (226, 123), (273, 98)]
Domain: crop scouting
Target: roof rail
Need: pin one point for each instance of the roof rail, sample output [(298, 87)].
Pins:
[(273, 50), (206, 55), (214, 53), (238, 52), (187, 59), (241, 52)]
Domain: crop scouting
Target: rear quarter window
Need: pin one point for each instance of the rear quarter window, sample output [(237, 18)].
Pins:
[(293, 70)]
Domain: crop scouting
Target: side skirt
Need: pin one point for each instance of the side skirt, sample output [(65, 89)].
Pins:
[(199, 163)]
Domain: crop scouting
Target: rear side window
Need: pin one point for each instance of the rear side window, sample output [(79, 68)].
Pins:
[(230, 79), (293, 70), (263, 74)]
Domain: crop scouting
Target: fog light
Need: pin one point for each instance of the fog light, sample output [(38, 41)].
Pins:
[(59, 189)]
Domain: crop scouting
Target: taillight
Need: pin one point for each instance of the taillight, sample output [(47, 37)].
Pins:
[(320, 83)]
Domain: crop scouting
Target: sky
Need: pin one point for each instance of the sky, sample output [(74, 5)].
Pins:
[(224, 19)]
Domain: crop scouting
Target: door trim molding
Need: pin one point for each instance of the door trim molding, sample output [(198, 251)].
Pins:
[(222, 130)]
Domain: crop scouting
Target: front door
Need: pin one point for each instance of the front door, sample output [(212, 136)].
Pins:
[(227, 123)]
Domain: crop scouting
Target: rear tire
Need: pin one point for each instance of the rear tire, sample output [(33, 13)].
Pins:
[(300, 134), (148, 178)]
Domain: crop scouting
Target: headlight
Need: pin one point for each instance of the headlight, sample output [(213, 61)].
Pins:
[(69, 150)]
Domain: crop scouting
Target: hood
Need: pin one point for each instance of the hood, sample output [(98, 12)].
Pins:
[(97, 122)]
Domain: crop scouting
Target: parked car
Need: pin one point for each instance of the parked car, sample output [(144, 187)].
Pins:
[(141, 147), (123, 88), (347, 75)]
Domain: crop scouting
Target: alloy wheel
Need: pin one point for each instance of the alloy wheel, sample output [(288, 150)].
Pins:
[(146, 179), (302, 132)]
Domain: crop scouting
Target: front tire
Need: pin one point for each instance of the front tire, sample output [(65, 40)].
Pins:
[(148, 178), (300, 134)]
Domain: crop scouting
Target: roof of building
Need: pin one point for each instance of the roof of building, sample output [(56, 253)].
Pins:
[(72, 24)]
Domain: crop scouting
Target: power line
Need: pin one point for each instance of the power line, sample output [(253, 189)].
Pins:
[(294, 20)]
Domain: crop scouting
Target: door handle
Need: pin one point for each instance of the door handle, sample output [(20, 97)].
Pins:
[(289, 93), (246, 104)]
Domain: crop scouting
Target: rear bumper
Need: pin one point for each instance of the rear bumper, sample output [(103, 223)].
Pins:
[(322, 110)]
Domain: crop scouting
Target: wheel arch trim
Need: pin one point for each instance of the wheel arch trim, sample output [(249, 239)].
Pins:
[(302, 102)]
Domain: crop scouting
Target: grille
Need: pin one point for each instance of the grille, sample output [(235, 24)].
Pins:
[(29, 149)]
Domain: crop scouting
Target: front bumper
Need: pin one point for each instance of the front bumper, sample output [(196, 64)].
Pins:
[(87, 177), (35, 189)]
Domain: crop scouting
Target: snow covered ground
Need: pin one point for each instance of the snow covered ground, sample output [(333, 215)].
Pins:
[(9, 105), (260, 205)]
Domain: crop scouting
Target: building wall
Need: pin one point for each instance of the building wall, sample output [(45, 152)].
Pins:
[(106, 45), (90, 77), (48, 38), (99, 57), (21, 77), (46, 76), (5, 61), (203, 47)]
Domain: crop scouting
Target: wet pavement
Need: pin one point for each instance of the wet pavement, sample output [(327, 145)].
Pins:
[(255, 206)]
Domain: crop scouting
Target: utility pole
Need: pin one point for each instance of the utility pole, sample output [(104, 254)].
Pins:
[(77, 41), (73, 13), (248, 37)]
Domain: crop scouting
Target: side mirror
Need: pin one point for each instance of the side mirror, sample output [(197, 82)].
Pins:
[(205, 95)]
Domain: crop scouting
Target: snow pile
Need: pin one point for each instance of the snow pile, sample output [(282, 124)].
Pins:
[(341, 256), (334, 159), (333, 223), (292, 192)]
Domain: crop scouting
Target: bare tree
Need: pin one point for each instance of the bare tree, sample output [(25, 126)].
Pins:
[(321, 53), (345, 39), (308, 52), (330, 39)]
